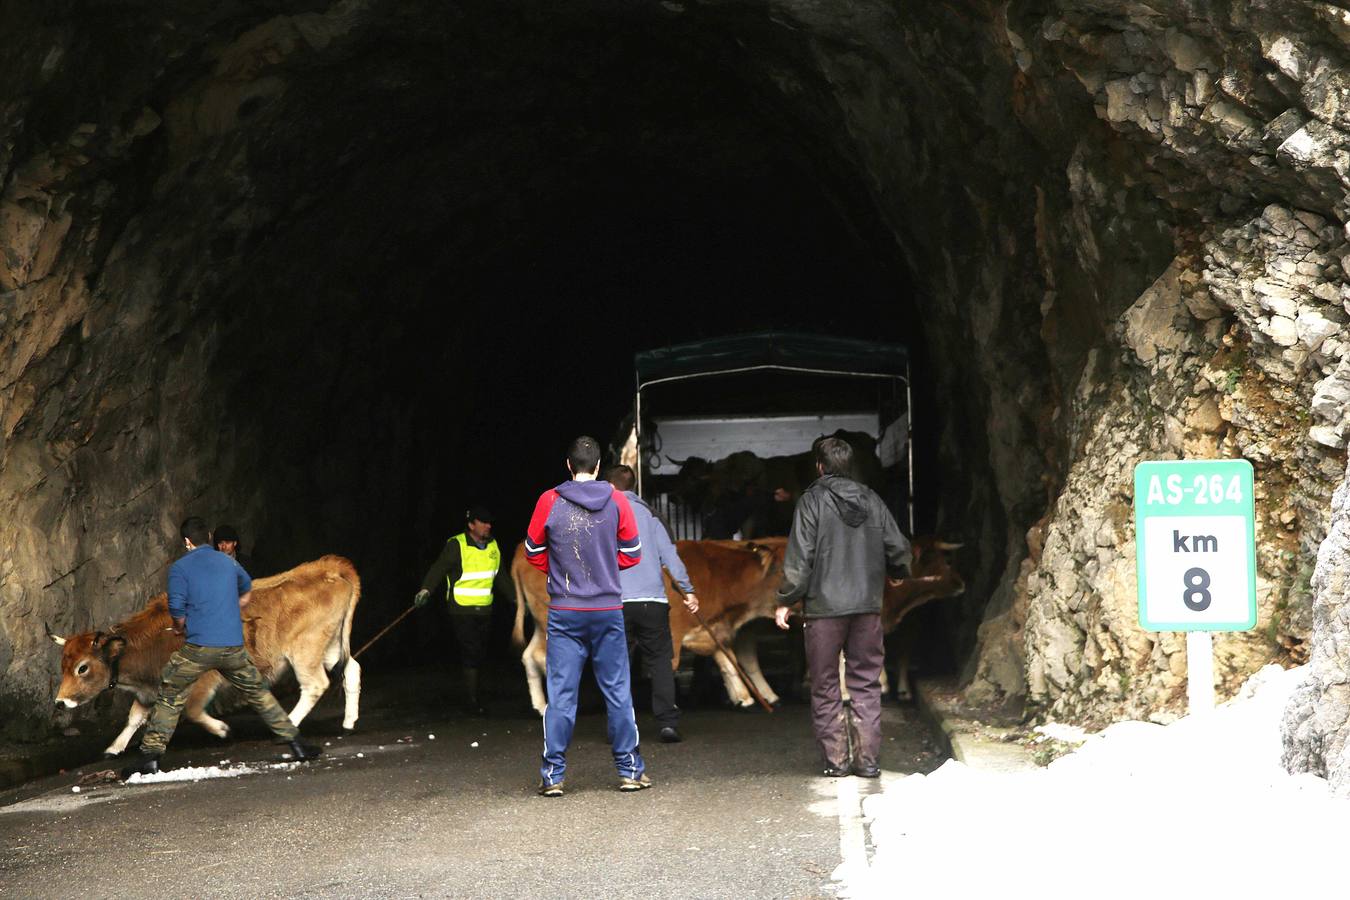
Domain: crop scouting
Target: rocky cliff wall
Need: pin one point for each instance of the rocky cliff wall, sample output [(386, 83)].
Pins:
[(1233, 117)]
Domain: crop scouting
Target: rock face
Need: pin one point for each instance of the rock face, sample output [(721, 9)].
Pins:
[(1124, 224), (1317, 721), (1237, 349)]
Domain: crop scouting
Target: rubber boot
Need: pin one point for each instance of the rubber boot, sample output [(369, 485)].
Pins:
[(471, 693), (304, 752), (148, 765)]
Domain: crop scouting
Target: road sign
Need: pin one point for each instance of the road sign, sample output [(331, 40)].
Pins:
[(1195, 534)]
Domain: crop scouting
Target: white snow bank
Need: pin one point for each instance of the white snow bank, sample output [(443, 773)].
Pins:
[(1201, 804), (202, 773), (1069, 734)]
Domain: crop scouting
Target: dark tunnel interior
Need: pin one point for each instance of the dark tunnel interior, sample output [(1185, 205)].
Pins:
[(439, 273)]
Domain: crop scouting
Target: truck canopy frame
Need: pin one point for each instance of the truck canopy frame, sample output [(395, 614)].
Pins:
[(783, 351)]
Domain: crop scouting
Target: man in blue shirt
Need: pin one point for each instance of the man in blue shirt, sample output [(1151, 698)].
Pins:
[(646, 611), (207, 589)]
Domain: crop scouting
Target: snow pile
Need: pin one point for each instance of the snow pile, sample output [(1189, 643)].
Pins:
[(202, 773), (1201, 804), (1069, 734)]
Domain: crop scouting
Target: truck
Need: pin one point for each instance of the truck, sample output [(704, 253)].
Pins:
[(722, 429)]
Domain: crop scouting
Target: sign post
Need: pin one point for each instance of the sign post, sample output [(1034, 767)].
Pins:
[(1195, 538)]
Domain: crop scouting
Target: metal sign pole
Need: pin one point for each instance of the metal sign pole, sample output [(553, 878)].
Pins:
[(1200, 672)]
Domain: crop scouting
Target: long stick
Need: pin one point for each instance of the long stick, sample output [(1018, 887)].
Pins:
[(367, 644), (735, 662)]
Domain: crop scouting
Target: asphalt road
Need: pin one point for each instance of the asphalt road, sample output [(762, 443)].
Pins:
[(736, 811)]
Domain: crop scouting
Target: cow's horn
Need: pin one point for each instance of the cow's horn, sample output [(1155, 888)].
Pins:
[(947, 545), (60, 641)]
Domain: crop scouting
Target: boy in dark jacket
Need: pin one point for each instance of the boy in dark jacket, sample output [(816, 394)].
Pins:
[(582, 533), (843, 542)]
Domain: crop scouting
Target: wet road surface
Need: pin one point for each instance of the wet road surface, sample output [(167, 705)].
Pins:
[(736, 811)]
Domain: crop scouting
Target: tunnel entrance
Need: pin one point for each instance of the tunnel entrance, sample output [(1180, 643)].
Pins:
[(436, 283), (354, 275)]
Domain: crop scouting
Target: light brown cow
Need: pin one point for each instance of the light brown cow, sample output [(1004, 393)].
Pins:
[(931, 578), (736, 581), (299, 620)]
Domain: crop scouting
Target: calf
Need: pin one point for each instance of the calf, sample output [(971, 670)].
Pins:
[(299, 620)]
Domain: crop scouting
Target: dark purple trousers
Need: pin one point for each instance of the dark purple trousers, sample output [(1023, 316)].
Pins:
[(860, 638)]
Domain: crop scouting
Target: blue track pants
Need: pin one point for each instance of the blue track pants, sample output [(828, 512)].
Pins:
[(573, 637)]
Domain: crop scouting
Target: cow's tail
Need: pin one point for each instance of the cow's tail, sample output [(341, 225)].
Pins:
[(347, 572), (518, 631), (351, 669)]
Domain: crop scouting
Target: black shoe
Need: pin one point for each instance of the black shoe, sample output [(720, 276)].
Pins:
[(148, 765), (867, 770), (670, 736), (303, 752), (835, 771)]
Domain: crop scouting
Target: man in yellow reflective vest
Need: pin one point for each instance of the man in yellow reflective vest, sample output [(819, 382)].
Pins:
[(468, 565)]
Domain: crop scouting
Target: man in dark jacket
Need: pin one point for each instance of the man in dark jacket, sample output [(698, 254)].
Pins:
[(226, 539), (843, 542), (582, 533)]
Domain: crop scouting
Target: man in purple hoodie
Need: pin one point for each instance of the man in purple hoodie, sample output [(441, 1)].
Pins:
[(581, 534)]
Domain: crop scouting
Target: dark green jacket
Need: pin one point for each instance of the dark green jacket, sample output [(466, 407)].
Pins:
[(844, 542)]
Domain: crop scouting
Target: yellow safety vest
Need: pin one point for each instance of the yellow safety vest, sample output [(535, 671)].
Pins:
[(478, 569)]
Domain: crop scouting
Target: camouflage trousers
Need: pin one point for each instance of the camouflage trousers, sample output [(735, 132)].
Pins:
[(186, 666)]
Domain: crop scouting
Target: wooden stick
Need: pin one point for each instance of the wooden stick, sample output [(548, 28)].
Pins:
[(745, 679), (367, 644)]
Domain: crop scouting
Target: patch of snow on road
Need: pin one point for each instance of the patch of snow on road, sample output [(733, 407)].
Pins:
[(202, 773), (1201, 805)]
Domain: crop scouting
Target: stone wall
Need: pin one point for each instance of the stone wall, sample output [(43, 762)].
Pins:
[(1317, 721), (1232, 116)]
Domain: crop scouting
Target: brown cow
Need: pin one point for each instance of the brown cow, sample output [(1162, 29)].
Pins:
[(736, 581), (931, 578), (299, 620)]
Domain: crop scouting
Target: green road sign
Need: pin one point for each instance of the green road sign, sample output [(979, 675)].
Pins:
[(1195, 534)]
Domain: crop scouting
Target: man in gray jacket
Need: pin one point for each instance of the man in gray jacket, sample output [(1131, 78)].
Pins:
[(843, 542), (646, 612)]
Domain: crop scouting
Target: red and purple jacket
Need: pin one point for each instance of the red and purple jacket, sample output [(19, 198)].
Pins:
[(582, 533)]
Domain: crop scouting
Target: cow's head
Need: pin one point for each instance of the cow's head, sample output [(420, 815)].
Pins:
[(931, 578), (88, 665)]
